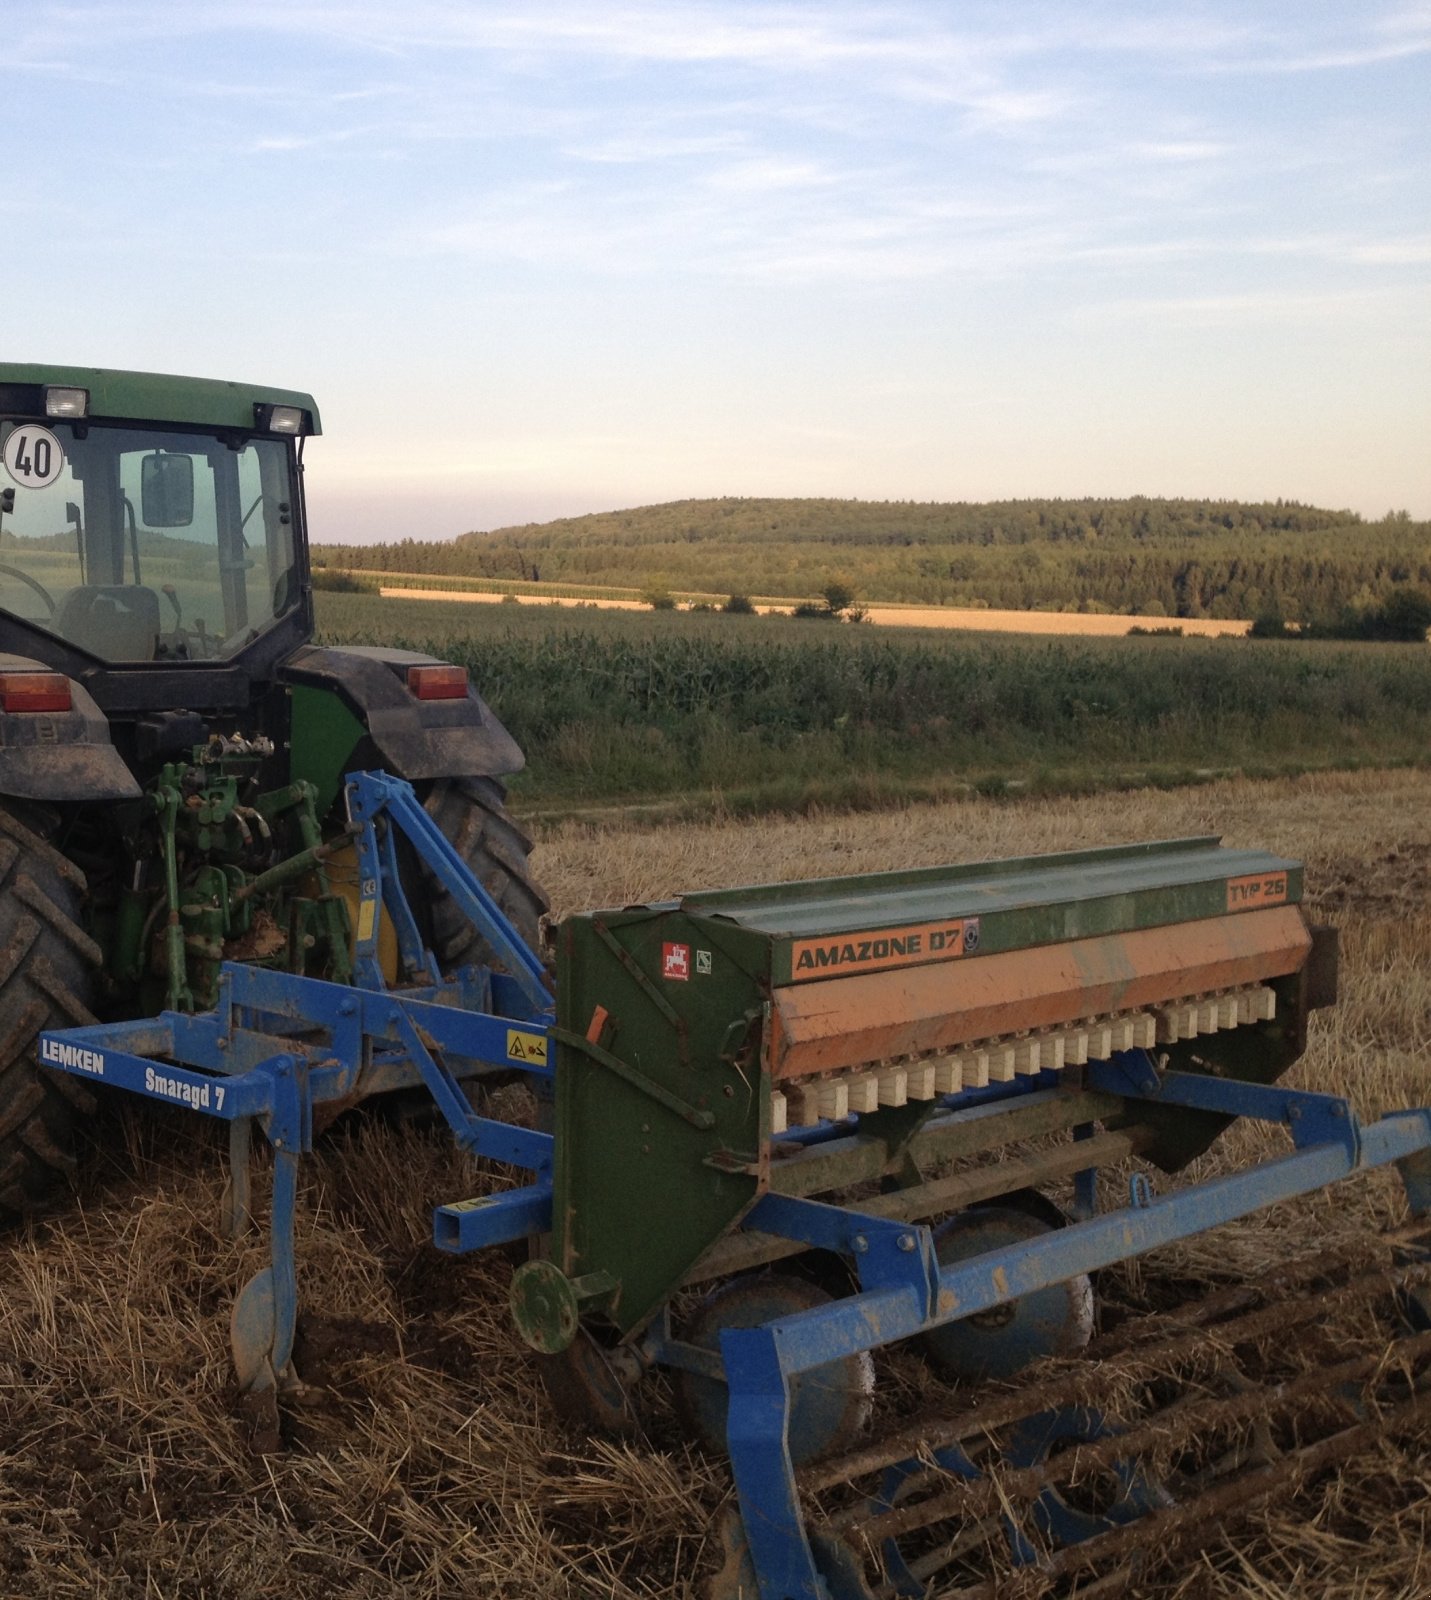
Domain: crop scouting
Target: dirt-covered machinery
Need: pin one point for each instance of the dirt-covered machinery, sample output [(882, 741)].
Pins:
[(173, 744), (913, 1115)]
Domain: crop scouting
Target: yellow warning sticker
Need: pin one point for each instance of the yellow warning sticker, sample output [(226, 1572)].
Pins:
[(528, 1048), (367, 916)]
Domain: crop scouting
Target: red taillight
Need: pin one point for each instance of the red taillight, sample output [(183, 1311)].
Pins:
[(438, 683), (34, 691)]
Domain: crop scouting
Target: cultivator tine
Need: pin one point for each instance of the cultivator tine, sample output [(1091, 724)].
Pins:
[(265, 1312), (277, 1044)]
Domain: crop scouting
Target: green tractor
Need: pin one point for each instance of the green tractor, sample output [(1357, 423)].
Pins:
[(172, 742)]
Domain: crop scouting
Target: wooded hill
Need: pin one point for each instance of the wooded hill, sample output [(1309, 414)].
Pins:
[(1189, 558)]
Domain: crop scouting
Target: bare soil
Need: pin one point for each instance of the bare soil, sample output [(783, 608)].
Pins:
[(421, 1459)]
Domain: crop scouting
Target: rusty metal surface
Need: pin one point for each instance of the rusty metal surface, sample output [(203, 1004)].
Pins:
[(845, 1022), (743, 1251), (841, 1163)]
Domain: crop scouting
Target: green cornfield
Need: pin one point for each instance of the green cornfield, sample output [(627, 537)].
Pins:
[(775, 713)]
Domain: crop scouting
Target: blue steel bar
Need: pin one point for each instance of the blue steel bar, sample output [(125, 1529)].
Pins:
[(1400, 1136), (887, 1254), (812, 1338), (370, 793), (86, 1053), (216, 1051), (809, 1339), (493, 1219), (1313, 1118), (764, 1473)]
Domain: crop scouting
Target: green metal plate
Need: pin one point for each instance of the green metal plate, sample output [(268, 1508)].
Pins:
[(663, 1129), (161, 397), (662, 1132), (818, 929)]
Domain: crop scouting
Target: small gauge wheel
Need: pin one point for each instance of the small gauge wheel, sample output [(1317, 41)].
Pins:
[(829, 1405), (1056, 1320)]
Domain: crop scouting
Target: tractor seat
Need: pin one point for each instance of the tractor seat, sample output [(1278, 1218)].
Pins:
[(119, 622)]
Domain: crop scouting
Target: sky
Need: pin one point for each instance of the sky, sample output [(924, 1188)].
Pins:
[(537, 259)]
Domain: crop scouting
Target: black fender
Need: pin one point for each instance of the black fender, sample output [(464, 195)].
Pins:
[(60, 755), (416, 739)]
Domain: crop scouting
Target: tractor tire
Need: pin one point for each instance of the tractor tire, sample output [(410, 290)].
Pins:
[(49, 976), (472, 814)]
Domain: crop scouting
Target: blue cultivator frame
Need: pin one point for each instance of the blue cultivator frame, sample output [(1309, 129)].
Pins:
[(277, 1045), (904, 1290)]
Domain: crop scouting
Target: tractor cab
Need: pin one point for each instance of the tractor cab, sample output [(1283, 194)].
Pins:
[(146, 544), (148, 522)]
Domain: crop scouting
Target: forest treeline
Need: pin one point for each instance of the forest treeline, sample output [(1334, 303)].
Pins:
[(1179, 558)]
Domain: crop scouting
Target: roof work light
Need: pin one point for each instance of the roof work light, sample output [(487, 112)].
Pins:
[(282, 419), (66, 402)]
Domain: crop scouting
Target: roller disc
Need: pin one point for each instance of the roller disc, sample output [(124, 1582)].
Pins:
[(950, 1459), (591, 1386), (828, 1406), (1057, 1320), (1103, 1502), (735, 1579)]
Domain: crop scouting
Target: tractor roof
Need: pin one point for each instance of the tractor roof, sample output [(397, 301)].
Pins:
[(158, 397)]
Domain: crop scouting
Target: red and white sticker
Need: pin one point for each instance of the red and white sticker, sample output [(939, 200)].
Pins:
[(33, 456), (676, 962)]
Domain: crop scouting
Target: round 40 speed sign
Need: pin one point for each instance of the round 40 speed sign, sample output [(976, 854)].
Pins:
[(34, 457)]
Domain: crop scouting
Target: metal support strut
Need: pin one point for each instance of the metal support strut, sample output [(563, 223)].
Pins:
[(276, 1045)]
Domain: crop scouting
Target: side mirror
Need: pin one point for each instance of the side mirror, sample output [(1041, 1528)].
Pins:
[(166, 491)]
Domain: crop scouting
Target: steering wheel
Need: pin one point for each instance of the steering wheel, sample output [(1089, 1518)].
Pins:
[(39, 588)]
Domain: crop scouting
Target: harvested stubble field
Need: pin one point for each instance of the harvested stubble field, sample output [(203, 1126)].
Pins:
[(422, 1461)]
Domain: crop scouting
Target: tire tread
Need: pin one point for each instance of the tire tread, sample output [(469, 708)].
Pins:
[(472, 814), (48, 978)]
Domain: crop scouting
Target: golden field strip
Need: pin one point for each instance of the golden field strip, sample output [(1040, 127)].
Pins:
[(1090, 625), (422, 1463)]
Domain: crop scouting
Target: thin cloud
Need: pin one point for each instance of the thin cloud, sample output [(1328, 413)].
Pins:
[(652, 147), (1259, 307), (763, 175), (1390, 253), (1181, 151)]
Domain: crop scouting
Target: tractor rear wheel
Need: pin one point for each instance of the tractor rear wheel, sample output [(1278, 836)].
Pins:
[(472, 814), (48, 977)]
